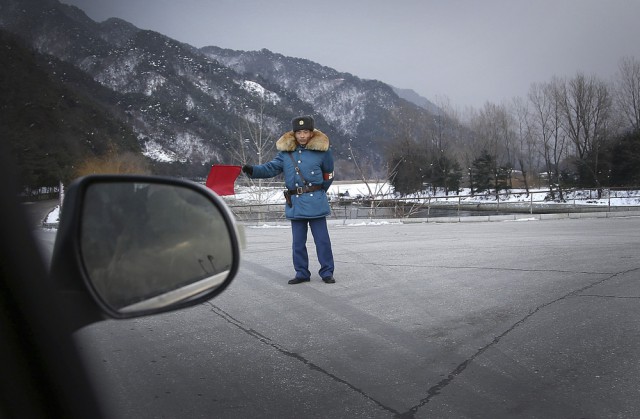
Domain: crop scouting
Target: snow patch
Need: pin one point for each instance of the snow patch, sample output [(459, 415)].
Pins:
[(53, 217), (154, 151), (370, 223), (153, 82), (270, 226), (258, 90)]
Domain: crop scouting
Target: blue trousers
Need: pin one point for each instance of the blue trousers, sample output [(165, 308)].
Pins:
[(299, 229)]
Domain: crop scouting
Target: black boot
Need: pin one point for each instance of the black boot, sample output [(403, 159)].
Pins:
[(298, 280)]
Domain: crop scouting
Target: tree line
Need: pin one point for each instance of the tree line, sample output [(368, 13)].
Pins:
[(568, 132)]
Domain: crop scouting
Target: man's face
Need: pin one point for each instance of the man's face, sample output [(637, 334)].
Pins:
[(303, 136)]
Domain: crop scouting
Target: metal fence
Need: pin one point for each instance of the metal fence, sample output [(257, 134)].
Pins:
[(575, 201), (40, 194), (453, 205)]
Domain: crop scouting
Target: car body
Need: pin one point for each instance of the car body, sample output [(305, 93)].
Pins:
[(43, 374)]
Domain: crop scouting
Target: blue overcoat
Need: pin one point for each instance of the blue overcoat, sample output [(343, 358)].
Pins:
[(315, 161)]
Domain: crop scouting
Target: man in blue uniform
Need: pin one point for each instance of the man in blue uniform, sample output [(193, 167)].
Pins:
[(305, 158)]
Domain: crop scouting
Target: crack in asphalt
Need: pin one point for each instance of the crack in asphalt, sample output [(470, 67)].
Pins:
[(609, 296), (485, 268), (459, 369), (314, 367), (436, 389)]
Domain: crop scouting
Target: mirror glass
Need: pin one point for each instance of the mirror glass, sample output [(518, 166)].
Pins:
[(147, 246)]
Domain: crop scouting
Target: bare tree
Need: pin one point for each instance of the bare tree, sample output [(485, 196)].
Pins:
[(374, 187), (444, 148), (546, 127), (628, 91), (586, 107), (524, 149), (470, 147), (254, 145), (494, 127), (255, 142)]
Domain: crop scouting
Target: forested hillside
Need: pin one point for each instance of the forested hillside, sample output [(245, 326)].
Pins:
[(54, 116), (77, 94)]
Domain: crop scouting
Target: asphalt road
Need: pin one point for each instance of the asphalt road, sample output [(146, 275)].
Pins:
[(527, 319)]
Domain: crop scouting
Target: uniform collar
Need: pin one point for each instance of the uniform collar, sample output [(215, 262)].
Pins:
[(319, 142)]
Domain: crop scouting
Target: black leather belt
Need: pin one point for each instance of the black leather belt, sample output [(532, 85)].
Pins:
[(305, 189)]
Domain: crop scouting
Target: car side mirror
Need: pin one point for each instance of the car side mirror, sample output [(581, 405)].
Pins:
[(139, 245)]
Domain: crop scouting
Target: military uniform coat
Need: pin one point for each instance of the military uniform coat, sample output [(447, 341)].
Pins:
[(315, 161)]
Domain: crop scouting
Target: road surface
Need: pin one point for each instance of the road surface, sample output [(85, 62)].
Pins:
[(535, 319)]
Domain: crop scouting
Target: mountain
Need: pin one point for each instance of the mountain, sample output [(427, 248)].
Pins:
[(413, 97), (197, 106), (363, 110), (179, 103), (53, 115)]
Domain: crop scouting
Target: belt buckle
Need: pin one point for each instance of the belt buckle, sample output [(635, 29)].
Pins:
[(299, 190)]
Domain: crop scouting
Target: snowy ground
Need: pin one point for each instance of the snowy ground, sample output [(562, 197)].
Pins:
[(347, 191), (355, 190)]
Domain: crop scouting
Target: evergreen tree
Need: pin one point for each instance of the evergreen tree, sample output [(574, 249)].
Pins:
[(482, 170), (502, 179), (625, 160), (407, 177), (445, 173), (454, 177)]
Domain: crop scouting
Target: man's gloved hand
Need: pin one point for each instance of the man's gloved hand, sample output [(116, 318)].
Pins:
[(247, 169)]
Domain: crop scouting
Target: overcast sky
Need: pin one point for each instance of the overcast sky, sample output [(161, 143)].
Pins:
[(465, 51)]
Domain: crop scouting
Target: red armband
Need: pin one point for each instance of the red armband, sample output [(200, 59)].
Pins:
[(327, 176)]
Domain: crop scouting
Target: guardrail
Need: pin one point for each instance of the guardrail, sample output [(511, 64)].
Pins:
[(576, 201), (452, 207)]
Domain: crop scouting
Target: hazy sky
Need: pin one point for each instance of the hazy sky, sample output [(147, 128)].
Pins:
[(466, 51)]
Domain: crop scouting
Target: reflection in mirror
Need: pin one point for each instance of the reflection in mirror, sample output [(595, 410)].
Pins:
[(147, 245)]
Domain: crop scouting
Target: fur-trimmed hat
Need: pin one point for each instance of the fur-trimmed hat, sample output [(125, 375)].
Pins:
[(302, 122)]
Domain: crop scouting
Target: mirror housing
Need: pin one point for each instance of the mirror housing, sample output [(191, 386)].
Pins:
[(130, 246)]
